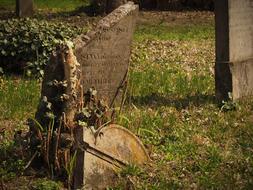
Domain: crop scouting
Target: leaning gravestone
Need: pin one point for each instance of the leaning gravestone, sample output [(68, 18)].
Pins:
[(103, 55), (99, 60), (24, 8), (234, 48), (105, 52)]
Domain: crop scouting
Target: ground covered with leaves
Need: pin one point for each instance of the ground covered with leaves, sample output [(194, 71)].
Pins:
[(193, 142)]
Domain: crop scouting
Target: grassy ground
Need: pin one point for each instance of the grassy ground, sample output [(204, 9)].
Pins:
[(193, 142), (52, 5)]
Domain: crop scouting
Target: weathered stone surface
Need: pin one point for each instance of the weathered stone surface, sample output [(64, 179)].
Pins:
[(120, 144), (56, 111), (234, 48), (104, 53), (100, 60), (60, 89), (24, 8)]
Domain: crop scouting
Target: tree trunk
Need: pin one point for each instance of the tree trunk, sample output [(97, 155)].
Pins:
[(24, 8)]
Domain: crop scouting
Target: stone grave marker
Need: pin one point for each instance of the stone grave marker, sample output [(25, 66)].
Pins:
[(104, 53), (99, 60), (24, 8), (234, 48)]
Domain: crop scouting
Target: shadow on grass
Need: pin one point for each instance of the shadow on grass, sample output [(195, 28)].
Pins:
[(179, 103)]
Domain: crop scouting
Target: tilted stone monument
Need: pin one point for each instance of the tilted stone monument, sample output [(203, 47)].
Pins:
[(234, 48), (97, 60), (24, 8), (104, 54)]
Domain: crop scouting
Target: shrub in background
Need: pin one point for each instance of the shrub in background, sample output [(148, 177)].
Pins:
[(26, 44)]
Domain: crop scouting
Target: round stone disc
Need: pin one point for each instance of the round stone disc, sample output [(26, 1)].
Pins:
[(117, 142)]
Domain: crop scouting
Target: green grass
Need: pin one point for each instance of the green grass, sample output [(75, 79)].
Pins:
[(164, 31), (59, 5), (53, 5), (18, 102), (7, 3), (45, 184), (18, 98), (199, 145), (171, 107)]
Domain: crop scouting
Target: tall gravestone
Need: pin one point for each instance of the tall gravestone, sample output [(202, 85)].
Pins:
[(99, 59), (234, 48), (103, 55), (24, 8)]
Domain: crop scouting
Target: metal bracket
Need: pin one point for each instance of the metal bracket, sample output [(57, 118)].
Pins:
[(86, 147)]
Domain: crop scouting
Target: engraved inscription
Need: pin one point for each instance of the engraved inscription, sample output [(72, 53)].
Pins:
[(105, 59), (97, 81)]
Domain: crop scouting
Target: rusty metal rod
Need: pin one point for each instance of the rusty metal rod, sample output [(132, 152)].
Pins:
[(84, 146)]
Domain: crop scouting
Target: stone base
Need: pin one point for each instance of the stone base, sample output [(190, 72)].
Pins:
[(242, 78), (236, 78)]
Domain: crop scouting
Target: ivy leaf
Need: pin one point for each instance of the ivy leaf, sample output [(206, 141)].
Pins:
[(44, 99), (3, 53), (86, 113), (1, 70), (93, 92), (82, 123), (28, 73), (41, 72), (32, 41), (49, 105), (50, 115), (33, 47)]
